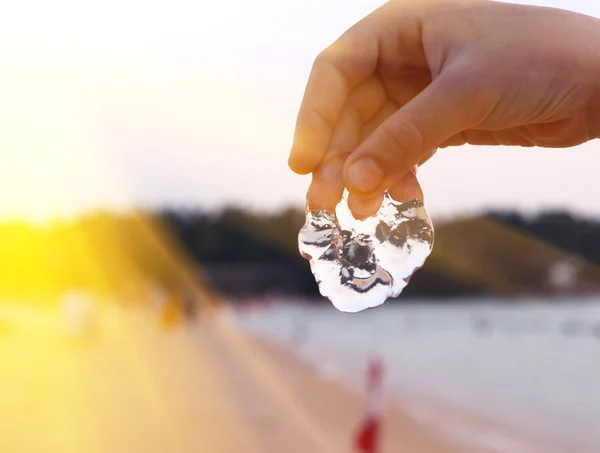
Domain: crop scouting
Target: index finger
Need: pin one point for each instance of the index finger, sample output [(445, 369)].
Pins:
[(336, 71)]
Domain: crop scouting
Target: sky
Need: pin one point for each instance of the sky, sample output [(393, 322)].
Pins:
[(121, 103)]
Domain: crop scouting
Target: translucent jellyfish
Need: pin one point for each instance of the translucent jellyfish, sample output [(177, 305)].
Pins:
[(359, 264)]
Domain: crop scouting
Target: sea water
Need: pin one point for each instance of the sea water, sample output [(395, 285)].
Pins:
[(532, 366)]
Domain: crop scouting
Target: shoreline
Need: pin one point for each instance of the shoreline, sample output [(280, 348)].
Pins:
[(436, 421)]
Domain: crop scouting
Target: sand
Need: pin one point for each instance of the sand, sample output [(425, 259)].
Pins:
[(134, 388)]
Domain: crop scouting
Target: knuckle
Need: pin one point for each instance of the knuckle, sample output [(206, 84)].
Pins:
[(473, 94), (323, 58), (318, 121), (403, 135)]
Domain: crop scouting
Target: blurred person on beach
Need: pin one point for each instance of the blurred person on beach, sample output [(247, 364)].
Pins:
[(190, 306), (418, 75), (79, 315), (172, 314)]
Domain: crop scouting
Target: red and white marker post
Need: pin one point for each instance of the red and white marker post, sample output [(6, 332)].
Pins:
[(369, 431)]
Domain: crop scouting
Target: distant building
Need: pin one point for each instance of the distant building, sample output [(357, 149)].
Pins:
[(563, 274)]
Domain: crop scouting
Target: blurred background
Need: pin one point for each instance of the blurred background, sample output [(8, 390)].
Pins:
[(152, 297)]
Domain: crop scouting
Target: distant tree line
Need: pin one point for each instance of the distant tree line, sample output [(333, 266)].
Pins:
[(242, 253), (237, 243), (578, 236)]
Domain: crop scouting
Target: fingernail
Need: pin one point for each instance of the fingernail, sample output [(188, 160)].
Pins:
[(362, 208), (365, 175), (412, 189), (407, 189)]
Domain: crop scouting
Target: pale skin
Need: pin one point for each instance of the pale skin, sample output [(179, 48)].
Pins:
[(418, 75)]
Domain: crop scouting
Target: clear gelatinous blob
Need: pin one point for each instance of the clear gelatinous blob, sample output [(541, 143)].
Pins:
[(359, 264)]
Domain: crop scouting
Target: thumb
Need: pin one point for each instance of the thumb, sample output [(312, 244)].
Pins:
[(408, 136)]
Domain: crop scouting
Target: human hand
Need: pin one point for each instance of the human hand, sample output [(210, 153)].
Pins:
[(416, 75)]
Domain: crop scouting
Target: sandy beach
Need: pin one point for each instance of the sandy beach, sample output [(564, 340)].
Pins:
[(135, 388)]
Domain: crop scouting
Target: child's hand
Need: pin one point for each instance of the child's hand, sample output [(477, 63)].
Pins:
[(416, 75)]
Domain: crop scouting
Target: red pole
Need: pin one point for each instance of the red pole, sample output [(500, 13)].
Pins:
[(369, 431)]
